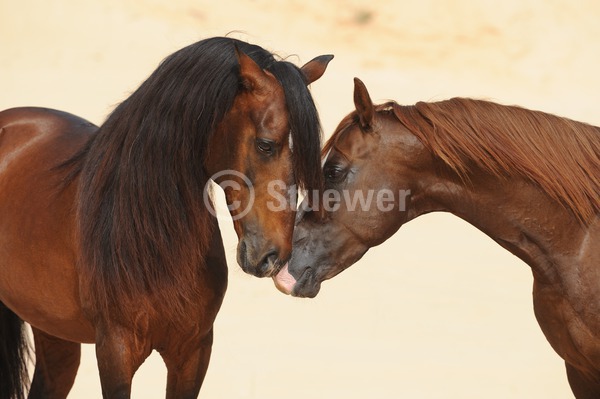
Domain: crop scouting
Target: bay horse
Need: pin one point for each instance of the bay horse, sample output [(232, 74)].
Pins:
[(105, 237), (527, 179)]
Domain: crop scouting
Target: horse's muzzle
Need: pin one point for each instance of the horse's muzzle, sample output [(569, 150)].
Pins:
[(258, 262)]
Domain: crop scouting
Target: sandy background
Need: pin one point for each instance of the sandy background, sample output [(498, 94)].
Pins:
[(439, 310)]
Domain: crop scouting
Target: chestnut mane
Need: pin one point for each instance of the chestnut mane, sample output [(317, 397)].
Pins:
[(559, 155)]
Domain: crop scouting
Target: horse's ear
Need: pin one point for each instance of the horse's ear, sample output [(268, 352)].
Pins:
[(364, 105), (252, 77), (315, 68)]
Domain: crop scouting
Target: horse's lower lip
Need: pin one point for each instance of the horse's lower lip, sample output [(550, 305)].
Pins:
[(283, 280)]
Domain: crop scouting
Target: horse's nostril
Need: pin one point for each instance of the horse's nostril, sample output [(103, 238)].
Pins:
[(266, 265), (272, 258)]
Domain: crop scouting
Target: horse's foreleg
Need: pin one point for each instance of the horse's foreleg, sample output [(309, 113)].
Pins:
[(583, 386), (56, 364), (187, 367), (119, 352)]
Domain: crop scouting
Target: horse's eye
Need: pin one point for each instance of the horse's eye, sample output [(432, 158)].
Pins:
[(265, 147), (334, 173)]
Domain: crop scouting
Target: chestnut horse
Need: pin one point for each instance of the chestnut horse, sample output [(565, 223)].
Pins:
[(105, 237), (529, 180)]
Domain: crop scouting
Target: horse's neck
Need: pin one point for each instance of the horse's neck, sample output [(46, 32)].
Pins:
[(514, 213)]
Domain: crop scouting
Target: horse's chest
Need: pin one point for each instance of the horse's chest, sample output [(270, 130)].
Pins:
[(569, 326)]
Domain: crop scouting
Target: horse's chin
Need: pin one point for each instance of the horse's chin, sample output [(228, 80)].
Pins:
[(307, 291)]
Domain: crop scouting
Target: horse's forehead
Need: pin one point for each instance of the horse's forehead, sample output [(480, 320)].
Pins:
[(270, 97), (353, 142), (267, 95), (270, 115), (276, 111)]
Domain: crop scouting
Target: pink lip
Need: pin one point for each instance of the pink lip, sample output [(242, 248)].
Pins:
[(284, 281)]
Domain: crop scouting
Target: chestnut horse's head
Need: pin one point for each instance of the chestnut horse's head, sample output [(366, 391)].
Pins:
[(266, 145), (371, 164)]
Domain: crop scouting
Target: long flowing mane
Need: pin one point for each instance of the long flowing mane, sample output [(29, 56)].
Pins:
[(560, 155), (143, 226)]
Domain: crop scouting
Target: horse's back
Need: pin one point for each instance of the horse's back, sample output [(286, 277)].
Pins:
[(37, 218), (40, 114), (21, 124), (40, 135)]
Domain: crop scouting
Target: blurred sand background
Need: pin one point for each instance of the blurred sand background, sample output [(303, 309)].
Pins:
[(439, 310)]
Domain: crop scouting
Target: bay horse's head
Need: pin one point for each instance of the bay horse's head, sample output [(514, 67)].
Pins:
[(267, 144), (371, 164)]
